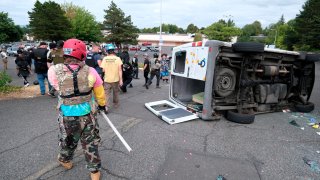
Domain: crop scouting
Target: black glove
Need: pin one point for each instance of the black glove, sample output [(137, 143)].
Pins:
[(103, 109)]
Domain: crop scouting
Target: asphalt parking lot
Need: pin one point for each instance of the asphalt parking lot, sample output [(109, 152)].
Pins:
[(270, 148)]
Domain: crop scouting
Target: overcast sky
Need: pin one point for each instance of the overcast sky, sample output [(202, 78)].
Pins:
[(146, 13)]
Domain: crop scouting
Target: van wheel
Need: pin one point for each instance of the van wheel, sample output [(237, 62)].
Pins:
[(305, 108), (313, 57), (240, 118), (225, 82), (248, 47)]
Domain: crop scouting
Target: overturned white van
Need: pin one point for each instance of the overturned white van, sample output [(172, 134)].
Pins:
[(213, 78)]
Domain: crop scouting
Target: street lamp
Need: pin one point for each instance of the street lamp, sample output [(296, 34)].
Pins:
[(275, 38), (160, 38)]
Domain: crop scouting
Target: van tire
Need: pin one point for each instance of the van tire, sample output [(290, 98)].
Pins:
[(240, 118), (225, 77), (247, 47), (313, 57), (305, 108)]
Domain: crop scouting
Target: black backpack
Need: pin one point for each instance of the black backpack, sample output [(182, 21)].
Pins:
[(90, 60)]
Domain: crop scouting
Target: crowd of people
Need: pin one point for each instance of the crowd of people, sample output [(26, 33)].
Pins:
[(84, 81)]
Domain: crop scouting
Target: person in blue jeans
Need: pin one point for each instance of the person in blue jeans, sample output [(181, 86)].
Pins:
[(41, 67)]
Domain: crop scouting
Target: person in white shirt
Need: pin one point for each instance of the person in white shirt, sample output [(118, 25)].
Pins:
[(4, 57)]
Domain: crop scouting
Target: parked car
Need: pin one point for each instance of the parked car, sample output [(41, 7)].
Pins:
[(134, 48), (143, 49), (155, 49), (213, 78), (12, 51)]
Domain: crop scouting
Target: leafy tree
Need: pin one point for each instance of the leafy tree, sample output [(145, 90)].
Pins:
[(308, 26), (8, 30), (249, 30), (171, 28), (291, 36), (150, 30), (191, 28), (84, 25), (197, 37), (120, 26), (47, 21), (166, 28), (281, 21), (222, 30)]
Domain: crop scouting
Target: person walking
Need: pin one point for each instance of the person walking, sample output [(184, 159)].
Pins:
[(79, 86), (155, 71), (112, 68), (94, 59), (146, 68), (4, 57), (23, 68), (126, 69), (41, 63), (135, 65)]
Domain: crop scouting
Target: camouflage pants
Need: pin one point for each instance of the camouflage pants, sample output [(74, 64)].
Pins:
[(83, 128)]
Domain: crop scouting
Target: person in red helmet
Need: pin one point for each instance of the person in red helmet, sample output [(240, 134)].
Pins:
[(76, 83)]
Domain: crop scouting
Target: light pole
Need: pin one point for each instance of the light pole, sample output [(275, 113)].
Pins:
[(160, 37), (275, 38)]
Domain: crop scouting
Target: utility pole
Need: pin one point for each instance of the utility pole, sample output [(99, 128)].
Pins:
[(160, 38), (275, 38)]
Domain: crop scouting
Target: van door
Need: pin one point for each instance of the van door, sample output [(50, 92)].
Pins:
[(197, 58), (169, 112), (190, 62)]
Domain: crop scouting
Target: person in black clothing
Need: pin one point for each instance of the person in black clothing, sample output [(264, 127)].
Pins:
[(126, 69), (146, 68), (94, 60), (41, 67), (135, 66), (23, 67)]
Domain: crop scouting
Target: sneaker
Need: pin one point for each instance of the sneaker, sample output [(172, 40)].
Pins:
[(26, 85), (130, 86), (147, 87), (158, 87), (51, 94)]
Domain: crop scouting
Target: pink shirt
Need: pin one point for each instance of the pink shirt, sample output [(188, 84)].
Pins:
[(94, 78)]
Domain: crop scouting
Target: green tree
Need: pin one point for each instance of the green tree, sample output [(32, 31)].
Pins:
[(84, 25), (48, 22), (8, 30), (308, 26), (171, 28), (222, 30), (191, 28), (197, 37), (291, 36), (249, 30), (120, 26)]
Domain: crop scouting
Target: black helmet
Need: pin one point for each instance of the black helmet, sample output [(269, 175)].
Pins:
[(155, 55), (52, 45)]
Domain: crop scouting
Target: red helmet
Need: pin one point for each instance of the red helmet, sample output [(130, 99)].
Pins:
[(75, 48)]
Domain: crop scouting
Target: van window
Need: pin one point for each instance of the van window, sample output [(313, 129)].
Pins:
[(180, 62)]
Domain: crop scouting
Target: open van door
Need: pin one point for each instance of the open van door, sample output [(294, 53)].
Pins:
[(169, 112)]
